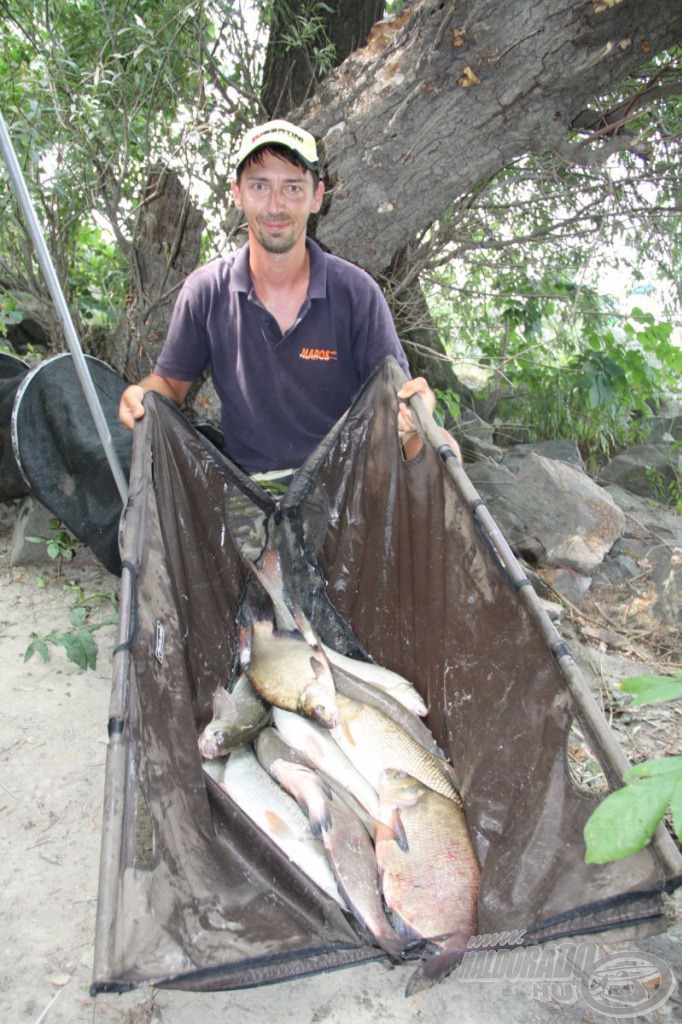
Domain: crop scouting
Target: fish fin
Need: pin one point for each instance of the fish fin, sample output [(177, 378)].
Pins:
[(436, 968), (304, 625), (403, 928), (396, 823), (223, 703), (277, 826), (347, 732), (321, 822), (318, 666), (382, 832), (244, 638)]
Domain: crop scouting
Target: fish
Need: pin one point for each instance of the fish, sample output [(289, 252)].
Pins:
[(277, 814), (372, 742), (270, 746), (349, 850), (382, 678), (320, 749), (363, 692), (238, 716), (431, 886), (287, 673)]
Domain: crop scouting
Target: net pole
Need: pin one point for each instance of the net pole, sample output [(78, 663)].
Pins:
[(50, 275), (612, 757)]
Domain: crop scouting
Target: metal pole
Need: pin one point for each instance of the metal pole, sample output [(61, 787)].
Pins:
[(47, 267)]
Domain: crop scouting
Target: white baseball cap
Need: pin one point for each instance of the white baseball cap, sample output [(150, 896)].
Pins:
[(281, 133)]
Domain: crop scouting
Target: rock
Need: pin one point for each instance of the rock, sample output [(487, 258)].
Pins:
[(560, 451), (667, 579), (554, 610), (32, 520), (651, 470), (662, 429), (550, 512), (568, 583), (475, 438)]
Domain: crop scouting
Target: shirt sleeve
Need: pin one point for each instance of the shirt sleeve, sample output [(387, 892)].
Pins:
[(375, 336), (185, 352)]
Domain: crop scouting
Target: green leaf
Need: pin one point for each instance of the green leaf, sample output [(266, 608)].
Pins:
[(37, 645), (652, 689), (661, 766), (53, 549), (77, 616), (625, 821), (676, 807)]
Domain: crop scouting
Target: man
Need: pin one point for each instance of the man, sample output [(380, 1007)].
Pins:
[(290, 332)]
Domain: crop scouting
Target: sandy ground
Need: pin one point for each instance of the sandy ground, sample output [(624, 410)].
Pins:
[(52, 754)]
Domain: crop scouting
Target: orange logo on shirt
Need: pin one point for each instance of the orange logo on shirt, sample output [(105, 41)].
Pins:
[(323, 354)]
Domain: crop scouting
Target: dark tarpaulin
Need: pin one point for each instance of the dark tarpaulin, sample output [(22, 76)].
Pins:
[(378, 549)]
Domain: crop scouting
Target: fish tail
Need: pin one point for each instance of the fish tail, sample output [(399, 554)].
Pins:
[(434, 970)]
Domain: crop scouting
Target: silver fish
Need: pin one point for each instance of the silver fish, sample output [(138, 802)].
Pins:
[(349, 849), (355, 688), (320, 749), (270, 746), (382, 678), (280, 817)]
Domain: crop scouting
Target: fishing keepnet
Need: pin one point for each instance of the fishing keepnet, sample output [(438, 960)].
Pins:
[(385, 557)]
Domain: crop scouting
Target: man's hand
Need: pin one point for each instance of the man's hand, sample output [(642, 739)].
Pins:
[(409, 438), (418, 386), (131, 407)]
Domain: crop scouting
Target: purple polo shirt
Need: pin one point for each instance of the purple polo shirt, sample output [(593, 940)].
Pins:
[(280, 393)]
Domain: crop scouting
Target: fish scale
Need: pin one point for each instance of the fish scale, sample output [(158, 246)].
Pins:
[(373, 742)]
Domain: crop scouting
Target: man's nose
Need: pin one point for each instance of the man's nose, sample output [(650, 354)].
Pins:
[(276, 199)]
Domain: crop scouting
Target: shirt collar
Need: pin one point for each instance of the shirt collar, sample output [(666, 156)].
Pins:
[(240, 277)]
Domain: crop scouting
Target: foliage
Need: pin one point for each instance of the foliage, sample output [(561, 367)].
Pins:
[(78, 641), (61, 544), (545, 278), (97, 96), (520, 273), (626, 819)]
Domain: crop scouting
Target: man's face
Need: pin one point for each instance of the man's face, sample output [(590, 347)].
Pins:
[(277, 199)]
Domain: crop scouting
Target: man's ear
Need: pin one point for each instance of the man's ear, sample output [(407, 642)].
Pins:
[(235, 194), (319, 196)]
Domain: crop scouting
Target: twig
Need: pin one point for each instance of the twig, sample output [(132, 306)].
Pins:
[(51, 1003)]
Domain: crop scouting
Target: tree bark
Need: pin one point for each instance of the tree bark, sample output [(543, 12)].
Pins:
[(455, 92)]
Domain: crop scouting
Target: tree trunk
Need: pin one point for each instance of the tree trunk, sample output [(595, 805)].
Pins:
[(291, 73), (166, 249), (455, 91), (418, 332)]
